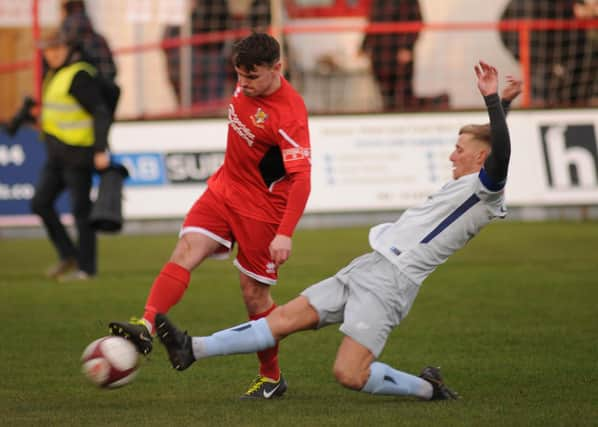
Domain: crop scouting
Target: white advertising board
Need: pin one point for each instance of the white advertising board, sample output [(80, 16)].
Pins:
[(360, 163), (554, 158), (169, 163), (374, 162)]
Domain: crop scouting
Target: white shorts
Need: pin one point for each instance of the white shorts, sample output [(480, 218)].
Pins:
[(369, 297)]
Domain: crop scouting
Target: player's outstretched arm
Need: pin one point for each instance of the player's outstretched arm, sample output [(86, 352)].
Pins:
[(497, 163), (487, 78), (512, 89), (510, 92)]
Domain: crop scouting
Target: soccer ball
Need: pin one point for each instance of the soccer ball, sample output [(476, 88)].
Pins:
[(110, 362)]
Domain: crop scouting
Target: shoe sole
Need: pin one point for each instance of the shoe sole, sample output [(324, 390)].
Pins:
[(139, 342), (435, 378)]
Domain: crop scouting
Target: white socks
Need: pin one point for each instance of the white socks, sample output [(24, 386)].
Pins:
[(248, 337), (386, 380), (256, 335)]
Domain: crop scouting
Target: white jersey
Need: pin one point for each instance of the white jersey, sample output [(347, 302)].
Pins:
[(426, 235)]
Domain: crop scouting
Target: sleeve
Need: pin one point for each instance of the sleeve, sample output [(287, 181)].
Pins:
[(494, 173), (85, 89), (296, 155), (293, 137), (298, 195), (506, 106)]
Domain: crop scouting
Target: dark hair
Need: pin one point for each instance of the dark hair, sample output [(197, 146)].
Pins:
[(254, 50)]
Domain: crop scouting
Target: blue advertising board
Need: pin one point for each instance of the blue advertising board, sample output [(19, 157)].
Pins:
[(145, 169), (22, 157)]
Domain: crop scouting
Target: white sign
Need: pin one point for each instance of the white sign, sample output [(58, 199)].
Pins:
[(19, 13), (139, 10), (379, 162), (363, 162), (554, 159), (173, 12)]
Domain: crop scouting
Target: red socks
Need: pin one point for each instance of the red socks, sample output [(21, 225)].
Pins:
[(167, 290), (269, 357)]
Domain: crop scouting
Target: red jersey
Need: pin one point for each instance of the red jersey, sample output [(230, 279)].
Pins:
[(267, 164)]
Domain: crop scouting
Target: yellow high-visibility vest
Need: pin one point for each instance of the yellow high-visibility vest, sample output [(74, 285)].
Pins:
[(62, 116)]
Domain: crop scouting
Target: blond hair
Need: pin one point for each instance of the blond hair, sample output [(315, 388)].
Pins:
[(479, 132)]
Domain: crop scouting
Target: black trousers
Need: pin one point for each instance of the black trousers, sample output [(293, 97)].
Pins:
[(395, 81), (54, 179)]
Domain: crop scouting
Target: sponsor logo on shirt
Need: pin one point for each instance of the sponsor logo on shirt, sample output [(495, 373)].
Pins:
[(259, 118), (237, 125), (295, 153)]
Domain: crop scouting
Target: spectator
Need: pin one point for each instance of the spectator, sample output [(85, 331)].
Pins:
[(589, 10), (208, 59), (392, 56), (253, 15), (558, 66), (74, 123), (77, 28)]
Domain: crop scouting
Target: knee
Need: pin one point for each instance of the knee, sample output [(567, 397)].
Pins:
[(256, 295), (349, 377), (192, 249)]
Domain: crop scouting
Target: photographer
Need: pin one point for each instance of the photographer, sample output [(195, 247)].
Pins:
[(74, 123)]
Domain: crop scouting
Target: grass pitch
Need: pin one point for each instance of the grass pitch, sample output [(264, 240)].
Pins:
[(512, 319)]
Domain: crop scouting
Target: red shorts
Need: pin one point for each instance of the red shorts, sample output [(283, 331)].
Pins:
[(210, 216)]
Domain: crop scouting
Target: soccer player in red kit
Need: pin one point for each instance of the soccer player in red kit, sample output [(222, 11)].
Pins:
[(255, 199)]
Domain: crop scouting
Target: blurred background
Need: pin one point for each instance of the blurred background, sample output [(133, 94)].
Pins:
[(387, 83), (341, 54)]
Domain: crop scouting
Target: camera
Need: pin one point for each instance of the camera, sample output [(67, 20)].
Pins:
[(22, 116)]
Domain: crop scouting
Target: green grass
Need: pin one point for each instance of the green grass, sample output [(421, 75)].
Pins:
[(512, 319)]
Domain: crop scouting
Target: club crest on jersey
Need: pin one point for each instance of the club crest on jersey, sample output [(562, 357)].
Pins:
[(259, 118)]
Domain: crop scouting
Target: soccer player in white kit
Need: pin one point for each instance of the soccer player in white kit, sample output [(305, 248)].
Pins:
[(375, 291)]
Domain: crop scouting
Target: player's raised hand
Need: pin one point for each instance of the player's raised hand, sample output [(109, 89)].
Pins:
[(512, 89), (487, 78)]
